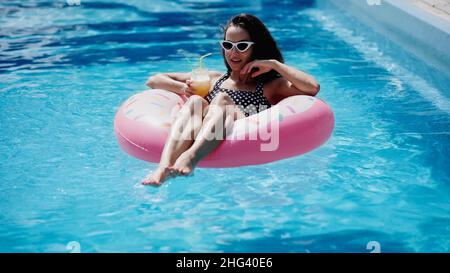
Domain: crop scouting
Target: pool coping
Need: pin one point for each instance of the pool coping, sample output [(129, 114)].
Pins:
[(416, 30), (422, 13), (439, 8)]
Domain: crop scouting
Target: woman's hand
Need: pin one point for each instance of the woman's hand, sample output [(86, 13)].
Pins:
[(261, 66), (187, 89), (178, 83)]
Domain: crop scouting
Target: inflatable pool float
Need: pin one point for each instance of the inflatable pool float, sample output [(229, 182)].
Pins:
[(294, 126)]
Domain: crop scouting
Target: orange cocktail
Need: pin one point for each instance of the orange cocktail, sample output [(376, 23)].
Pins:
[(200, 82)]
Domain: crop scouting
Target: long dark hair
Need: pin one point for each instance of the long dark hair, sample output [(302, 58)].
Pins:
[(265, 46)]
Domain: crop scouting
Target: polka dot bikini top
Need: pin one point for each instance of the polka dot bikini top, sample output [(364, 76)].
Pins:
[(249, 102)]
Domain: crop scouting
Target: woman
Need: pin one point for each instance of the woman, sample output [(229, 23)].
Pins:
[(256, 78)]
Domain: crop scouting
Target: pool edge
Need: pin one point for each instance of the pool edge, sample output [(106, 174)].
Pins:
[(417, 31)]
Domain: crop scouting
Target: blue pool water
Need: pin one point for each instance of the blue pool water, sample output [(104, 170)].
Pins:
[(65, 70)]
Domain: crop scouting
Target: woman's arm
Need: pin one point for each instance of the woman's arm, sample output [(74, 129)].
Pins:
[(174, 82), (294, 82)]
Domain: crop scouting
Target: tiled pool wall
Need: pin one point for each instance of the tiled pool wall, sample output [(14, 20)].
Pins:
[(420, 34)]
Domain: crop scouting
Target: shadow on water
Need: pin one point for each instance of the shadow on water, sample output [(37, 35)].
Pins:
[(350, 241)]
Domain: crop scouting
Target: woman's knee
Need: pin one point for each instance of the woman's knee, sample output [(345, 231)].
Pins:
[(222, 105), (195, 104), (222, 99), (194, 99)]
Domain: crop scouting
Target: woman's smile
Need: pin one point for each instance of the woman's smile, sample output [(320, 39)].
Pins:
[(236, 61)]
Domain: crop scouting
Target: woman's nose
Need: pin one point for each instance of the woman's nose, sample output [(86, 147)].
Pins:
[(234, 52)]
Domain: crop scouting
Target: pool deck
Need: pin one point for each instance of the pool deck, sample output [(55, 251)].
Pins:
[(440, 8)]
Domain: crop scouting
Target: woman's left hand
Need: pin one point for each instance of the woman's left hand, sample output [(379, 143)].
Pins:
[(262, 66)]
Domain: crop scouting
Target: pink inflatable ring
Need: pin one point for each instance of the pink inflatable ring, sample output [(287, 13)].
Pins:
[(294, 126)]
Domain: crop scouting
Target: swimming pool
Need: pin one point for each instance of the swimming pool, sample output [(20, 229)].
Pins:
[(65, 70)]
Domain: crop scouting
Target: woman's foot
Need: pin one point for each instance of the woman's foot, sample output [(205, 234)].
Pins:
[(158, 177), (184, 165)]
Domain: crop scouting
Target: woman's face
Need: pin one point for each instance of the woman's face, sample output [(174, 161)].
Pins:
[(236, 59)]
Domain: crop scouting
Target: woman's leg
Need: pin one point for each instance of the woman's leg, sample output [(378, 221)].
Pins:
[(218, 121), (182, 134)]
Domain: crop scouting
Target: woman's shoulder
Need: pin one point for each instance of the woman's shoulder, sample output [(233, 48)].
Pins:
[(215, 74), (271, 90), (273, 85)]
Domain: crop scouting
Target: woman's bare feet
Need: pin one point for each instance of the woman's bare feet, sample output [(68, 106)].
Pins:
[(184, 165), (158, 177)]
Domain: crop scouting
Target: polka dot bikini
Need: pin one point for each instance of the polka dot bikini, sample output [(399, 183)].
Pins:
[(249, 102)]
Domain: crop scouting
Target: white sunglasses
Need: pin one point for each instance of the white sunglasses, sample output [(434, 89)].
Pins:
[(241, 46)]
